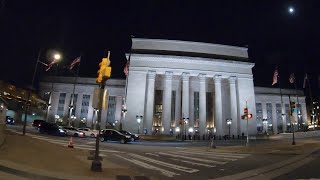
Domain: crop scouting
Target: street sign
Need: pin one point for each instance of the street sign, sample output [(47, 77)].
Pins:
[(245, 110)]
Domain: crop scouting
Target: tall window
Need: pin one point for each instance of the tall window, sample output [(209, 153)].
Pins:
[(62, 99), (111, 109), (209, 112), (85, 106), (299, 114), (73, 101), (46, 97), (157, 108), (269, 116), (259, 117), (196, 109), (173, 108), (279, 117)]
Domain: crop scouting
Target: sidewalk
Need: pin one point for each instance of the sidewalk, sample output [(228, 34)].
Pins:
[(23, 157)]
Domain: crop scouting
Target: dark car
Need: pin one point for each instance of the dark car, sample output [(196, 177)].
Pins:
[(114, 135), (134, 137), (9, 120), (52, 129), (37, 122)]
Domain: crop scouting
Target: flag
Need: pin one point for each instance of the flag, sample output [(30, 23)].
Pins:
[(305, 80), (126, 68), (275, 76), (292, 79), (50, 65), (75, 61)]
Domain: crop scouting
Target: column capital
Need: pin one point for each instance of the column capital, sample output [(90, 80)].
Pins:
[(168, 75), (151, 74), (232, 79), (217, 78), (185, 76), (202, 77)]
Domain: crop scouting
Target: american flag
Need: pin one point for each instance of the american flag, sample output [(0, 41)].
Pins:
[(305, 80), (275, 76), (292, 79), (75, 61), (50, 65), (126, 68)]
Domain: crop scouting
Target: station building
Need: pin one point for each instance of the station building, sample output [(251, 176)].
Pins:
[(204, 85)]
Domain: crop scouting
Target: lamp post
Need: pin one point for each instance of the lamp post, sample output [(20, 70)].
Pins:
[(56, 57), (139, 119), (229, 122), (185, 122)]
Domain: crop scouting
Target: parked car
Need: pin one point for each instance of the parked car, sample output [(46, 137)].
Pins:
[(37, 123), (52, 129), (134, 137), (9, 120), (71, 131), (88, 132), (114, 135)]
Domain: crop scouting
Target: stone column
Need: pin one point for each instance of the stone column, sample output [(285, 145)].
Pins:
[(202, 104), (167, 95), (178, 105), (274, 118), (78, 109), (218, 106), (118, 111), (234, 106), (67, 104), (304, 113), (284, 117), (185, 97), (148, 117), (90, 112)]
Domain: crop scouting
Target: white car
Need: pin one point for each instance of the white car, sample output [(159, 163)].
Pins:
[(73, 132), (88, 132)]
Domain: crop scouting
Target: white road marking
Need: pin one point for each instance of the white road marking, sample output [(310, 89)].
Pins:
[(173, 166), (152, 154), (207, 156), (191, 158), (93, 142), (231, 155), (193, 163), (148, 166), (219, 153)]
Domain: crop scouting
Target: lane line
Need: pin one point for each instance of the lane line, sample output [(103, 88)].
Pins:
[(191, 158), (148, 166), (218, 154), (193, 163), (173, 166)]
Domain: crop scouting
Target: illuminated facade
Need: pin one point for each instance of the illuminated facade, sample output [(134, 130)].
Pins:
[(202, 84)]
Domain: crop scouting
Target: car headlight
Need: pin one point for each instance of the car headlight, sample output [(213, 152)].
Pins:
[(128, 136), (136, 135), (61, 130)]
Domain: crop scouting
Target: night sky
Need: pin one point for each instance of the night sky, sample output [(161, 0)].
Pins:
[(90, 28)]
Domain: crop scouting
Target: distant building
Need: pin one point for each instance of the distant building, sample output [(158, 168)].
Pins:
[(202, 84)]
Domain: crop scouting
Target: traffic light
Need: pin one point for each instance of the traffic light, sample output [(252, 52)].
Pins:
[(180, 122), (249, 116), (105, 70)]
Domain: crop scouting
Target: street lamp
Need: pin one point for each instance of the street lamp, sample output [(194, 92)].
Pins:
[(229, 122), (139, 119), (56, 57)]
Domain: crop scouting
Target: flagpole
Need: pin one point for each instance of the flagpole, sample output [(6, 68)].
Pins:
[(282, 113), (72, 95)]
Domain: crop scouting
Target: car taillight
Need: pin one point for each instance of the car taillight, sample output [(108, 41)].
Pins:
[(39, 125)]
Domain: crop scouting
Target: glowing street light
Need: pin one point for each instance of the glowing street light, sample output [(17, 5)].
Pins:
[(57, 56), (291, 10)]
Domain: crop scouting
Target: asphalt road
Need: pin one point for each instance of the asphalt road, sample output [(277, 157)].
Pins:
[(179, 160)]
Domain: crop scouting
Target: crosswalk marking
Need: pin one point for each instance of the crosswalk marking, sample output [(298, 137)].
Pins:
[(173, 166), (218, 154), (148, 166), (191, 158), (207, 156), (193, 163), (152, 154)]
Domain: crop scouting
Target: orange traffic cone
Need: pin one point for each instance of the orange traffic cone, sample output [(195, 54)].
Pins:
[(70, 145)]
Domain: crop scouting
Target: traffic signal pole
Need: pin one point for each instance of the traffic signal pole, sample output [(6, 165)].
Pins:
[(247, 125)]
